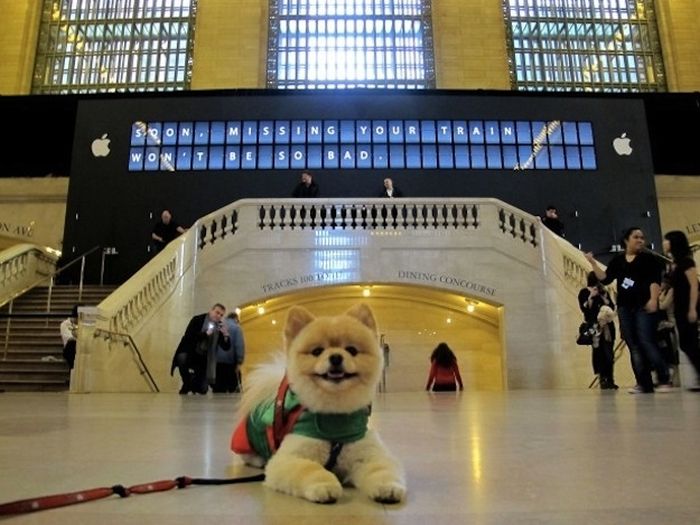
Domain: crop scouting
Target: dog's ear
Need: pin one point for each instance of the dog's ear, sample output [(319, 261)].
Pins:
[(297, 318), (364, 314)]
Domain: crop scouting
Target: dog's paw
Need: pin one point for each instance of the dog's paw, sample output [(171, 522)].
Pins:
[(324, 492), (253, 460), (392, 492)]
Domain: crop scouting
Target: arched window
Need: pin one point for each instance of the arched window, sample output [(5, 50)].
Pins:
[(115, 45), (584, 45), (320, 44)]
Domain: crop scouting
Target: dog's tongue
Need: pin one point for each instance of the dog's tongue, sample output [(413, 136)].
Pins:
[(336, 374)]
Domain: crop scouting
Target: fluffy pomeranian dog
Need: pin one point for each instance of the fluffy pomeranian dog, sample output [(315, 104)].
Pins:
[(304, 417)]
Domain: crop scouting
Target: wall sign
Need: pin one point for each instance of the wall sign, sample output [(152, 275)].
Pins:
[(361, 144)]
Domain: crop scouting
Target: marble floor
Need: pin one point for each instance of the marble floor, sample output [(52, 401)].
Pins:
[(521, 457)]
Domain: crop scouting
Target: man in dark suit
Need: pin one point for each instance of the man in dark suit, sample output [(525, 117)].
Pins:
[(195, 357), (306, 187), (390, 190), (551, 220)]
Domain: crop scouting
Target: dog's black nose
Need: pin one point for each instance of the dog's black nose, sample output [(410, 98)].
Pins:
[(336, 359)]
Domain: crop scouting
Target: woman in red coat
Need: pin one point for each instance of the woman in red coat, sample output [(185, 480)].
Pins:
[(444, 372)]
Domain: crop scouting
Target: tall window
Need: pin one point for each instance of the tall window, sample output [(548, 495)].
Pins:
[(88, 46), (317, 44), (584, 45)]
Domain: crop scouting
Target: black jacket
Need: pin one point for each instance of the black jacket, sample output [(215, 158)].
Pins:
[(194, 335), (397, 193), (302, 190)]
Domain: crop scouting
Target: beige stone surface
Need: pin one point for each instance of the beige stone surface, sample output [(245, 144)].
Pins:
[(230, 46), (33, 210), (679, 204), (19, 27), (679, 29), (469, 42), (493, 458), (526, 340), (470, 47)]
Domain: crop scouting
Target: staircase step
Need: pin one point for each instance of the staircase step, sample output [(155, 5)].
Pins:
[(33, 331), (26, 384), (55, 365), (62, 377), (38, 343), (31, 321), (32, 339), (41, 341), (32, 372), (34, 354)]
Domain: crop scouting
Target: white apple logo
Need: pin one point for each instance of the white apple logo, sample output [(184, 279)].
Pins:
[(100, 147), (621, 145)]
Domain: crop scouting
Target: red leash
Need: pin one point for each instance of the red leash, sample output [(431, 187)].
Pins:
[(282, 424), (61, 500)]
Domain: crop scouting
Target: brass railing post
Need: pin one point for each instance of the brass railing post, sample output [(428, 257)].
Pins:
[(48, 300), (82, 276), (7, 330)]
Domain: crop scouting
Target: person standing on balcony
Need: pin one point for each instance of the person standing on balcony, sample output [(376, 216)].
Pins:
[(306, 188), (165, 230), (195, 357), (444, 373), (638, 276), (390, 190), (551, 220), (69, 335), (228, 362)]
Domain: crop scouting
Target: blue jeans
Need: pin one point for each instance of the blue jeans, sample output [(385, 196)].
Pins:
[(638, 329)]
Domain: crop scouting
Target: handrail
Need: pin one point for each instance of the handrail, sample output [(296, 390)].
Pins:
[(51, 277), (7, 335), (127, 339), (79, 257), (82, 275), (50, 292)]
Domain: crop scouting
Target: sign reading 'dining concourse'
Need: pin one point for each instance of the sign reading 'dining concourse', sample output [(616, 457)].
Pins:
[(192, 153)]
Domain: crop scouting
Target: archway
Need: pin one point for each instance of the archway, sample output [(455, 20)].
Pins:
[(412, 321)]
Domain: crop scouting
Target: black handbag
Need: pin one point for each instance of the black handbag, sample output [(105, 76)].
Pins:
[(585, 335)]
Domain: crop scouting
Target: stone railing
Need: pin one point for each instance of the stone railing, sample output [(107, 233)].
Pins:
[(366, 214), (517, 224), (577, 268), (156, 287), (575, 271), (22, 267), (131, 304)]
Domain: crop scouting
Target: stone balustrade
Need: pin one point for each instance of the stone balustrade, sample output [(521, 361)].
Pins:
[(254, 250), (23, 266)]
